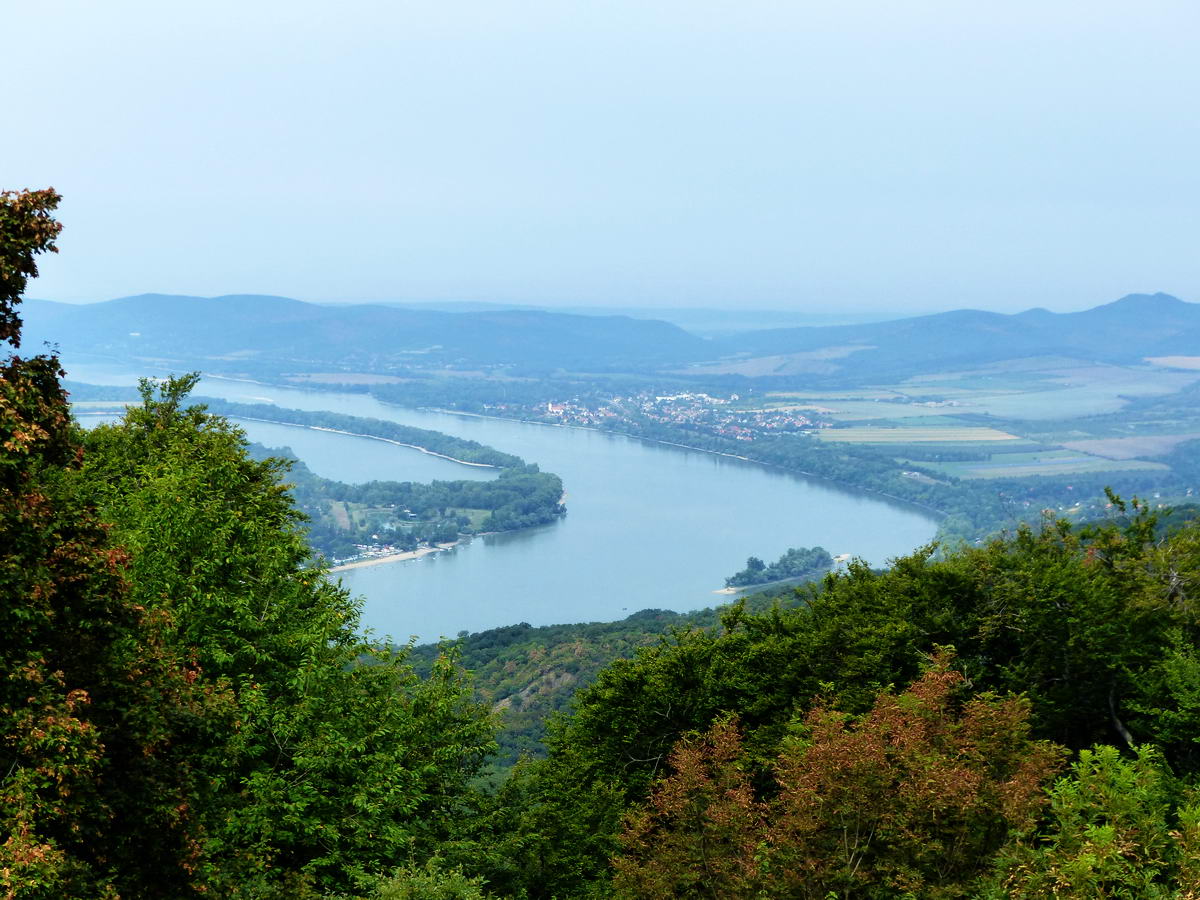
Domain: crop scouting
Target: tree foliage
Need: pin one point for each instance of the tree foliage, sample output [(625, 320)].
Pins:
[(911, 798), (184, 702), (27, 229), (798, 562), (1096, 627), (337, 758), (1109, 834), (90, 693)]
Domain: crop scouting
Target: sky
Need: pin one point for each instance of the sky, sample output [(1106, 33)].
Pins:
[(900, 155)]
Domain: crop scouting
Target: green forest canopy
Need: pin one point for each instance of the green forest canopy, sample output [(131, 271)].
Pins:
[(187, 703)]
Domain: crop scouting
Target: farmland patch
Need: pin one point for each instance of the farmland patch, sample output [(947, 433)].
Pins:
[(914, 434)]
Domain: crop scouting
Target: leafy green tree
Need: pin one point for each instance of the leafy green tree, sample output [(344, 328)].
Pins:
[(27, 228), (1109, 834), (1096, 625), (432, 881), (185, 705), (338, 760), (91, 802)]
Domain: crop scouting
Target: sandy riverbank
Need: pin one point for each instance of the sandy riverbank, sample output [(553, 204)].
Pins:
[(373, 437), (393, 557)]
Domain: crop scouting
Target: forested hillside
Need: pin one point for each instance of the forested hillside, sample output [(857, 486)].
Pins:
[(529, 674), (189, 710), (1051, 749)]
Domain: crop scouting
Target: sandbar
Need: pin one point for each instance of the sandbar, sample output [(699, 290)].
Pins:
[(399, 556)]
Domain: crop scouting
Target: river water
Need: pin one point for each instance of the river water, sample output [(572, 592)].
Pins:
[(647, 525)]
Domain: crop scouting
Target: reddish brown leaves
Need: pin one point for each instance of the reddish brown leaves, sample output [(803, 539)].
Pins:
[(914, 796), (702, 828)]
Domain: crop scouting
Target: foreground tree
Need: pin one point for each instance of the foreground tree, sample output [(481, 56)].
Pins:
[(703, 832), (338, 761), (186, 707), (1116, 828), (1098, 627), (911, 799), (90, 696)]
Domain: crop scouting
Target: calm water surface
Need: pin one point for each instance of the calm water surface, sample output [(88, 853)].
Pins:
[(647, 525)]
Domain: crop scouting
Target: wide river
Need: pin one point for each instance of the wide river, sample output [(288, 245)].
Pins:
[(648, 525)]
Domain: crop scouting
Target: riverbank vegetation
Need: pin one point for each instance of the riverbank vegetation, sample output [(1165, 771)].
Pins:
[(400, 516), (1071, 428), (349, 521), (798, 562)]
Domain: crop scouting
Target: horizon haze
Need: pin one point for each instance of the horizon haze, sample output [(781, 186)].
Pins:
[(878, 159)]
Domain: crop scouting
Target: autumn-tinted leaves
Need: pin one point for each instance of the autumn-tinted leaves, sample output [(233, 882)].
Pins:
[(915, 796)]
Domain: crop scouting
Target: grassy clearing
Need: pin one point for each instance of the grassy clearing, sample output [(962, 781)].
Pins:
[(340, 514), (475, 515), (915, 435)]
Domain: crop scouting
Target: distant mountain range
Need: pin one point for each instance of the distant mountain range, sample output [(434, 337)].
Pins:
[(1127, 330), (255, 332), (256, 329)]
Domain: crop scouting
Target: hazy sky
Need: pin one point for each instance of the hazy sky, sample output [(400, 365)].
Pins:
[(811, 155)]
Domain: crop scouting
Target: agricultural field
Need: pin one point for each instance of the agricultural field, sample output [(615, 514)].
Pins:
[(801, 396), (1176, 362), (1051, 400), (1149, 445), (905, 434), (1051, 417), (1058, 391), (891, 410), (1040, 462)]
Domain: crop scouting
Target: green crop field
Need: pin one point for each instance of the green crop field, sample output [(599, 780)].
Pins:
[(865, 410), (1057, 391), (1040, 462), (823, 397), (1132, 447), (910, 435)]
